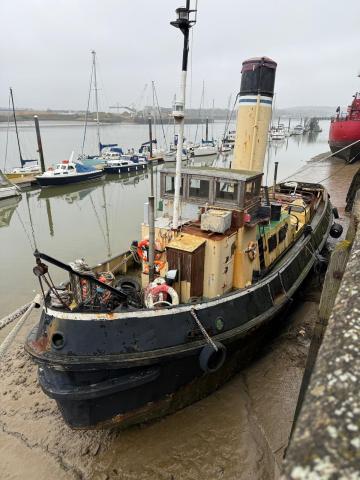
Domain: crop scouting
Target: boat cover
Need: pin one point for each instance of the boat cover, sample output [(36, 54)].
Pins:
[(80, 168)]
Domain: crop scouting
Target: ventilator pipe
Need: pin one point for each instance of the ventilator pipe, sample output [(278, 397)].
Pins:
[(275, 177), (151, 238)]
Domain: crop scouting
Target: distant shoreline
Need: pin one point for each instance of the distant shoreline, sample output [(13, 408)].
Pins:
[(104, 119)]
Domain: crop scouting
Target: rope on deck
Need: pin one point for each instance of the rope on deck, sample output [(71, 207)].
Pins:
[(12, 334)]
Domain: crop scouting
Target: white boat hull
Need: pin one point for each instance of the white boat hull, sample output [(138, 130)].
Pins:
[(8, 192)]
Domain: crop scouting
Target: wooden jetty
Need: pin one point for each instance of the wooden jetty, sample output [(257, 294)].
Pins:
[(24, 181)]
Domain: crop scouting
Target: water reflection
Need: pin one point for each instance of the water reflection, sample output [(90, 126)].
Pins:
[(7, 209), (312, 137), (69, 193)]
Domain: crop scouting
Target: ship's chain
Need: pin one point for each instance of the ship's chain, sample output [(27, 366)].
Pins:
[(202, 329), (13, 316)]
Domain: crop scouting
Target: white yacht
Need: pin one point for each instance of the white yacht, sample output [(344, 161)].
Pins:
[(298, 130), (277, 133)]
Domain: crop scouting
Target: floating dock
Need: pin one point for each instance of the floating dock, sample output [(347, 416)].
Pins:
[(24, 182)]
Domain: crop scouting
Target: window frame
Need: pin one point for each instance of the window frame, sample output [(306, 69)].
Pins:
[(226, 202), (165, 194), (199, 199), (255, 197)]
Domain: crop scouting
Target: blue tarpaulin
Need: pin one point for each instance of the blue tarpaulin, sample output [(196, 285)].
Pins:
[(80, 168)]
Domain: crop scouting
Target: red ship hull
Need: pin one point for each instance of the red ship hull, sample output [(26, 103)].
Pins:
[(345, 132)]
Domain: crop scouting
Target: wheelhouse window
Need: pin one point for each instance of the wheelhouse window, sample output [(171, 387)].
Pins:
[(252, 191), (199, 188), (170, 185), (226, 191)]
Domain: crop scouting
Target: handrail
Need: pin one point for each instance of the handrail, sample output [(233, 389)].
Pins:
[(116, 291)]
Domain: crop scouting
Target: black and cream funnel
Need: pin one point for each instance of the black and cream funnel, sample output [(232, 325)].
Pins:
[(254, 113)]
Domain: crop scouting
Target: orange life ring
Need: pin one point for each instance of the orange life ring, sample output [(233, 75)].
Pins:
[(252, 250), (159, 265)]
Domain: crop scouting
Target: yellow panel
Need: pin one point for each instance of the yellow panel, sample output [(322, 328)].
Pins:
[(243, 265), (251, 137), (218, 269), (186, 242)]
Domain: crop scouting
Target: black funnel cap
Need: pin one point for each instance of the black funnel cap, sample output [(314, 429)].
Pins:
[(258, 76)]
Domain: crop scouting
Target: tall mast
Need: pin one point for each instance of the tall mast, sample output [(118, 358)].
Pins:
[(96, 100), (184, 23), (16, 128)]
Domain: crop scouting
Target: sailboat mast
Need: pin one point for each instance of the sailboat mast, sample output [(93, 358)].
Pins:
[(16, 128), (96, 101), (184, 23)]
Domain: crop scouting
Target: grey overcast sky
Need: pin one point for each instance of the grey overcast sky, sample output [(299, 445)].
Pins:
[(45, 49)]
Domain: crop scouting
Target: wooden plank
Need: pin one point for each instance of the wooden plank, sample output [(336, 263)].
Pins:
[(354, 187), (333, 278)]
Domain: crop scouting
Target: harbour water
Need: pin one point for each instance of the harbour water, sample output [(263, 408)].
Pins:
[(100, 219)]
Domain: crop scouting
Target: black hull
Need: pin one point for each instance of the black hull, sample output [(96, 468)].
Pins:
[(350, 155), (126, 169), (70, 180), (128, 396), (135, 367)]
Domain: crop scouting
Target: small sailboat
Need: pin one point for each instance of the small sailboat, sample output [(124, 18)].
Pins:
[(170, 155), (206, 148), (28, 167), (96, 158)]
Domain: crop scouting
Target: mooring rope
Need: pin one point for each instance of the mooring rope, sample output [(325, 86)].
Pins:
[(13, 316), (12, 334), (203, 331)]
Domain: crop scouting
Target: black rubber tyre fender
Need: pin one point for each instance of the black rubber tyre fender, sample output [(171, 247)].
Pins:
[(335, 212), (336, 230), (211, 360), (128, 284)]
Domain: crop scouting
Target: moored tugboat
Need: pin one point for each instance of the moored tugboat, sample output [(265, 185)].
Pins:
[(158, 327)]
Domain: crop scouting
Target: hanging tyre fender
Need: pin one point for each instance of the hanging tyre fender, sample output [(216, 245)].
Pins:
[(211, 360)]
